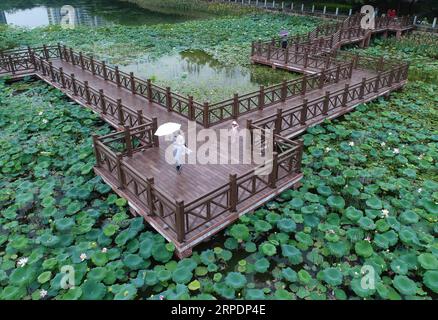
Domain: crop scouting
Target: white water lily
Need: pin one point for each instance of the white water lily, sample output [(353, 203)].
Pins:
[(22, 261), (104, 250), (83, 256), (368, 239), (40, 113), (383, 144), (351, 144), (43, 293), (45, 121), (328, 149), (396, 151), (385, 212)]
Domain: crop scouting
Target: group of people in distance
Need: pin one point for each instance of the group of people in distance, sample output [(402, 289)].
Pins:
[(391, 13)]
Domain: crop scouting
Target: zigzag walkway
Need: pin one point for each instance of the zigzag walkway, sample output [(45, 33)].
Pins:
[(188, 208)]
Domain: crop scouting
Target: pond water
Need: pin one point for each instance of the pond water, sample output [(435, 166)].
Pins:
[(197, 73), (35, 13)]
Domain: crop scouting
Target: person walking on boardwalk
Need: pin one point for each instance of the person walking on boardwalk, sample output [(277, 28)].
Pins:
[(179, 150)]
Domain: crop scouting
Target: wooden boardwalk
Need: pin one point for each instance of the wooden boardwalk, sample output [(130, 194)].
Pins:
[(205, 198)]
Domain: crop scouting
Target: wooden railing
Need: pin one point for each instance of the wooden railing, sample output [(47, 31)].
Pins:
[(265, 97), (164, 97), (15, 62), (309, 111)]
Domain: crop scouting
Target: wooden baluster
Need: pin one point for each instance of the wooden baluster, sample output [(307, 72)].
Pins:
[(191, 109), (345, 95), (149, 89), (87, 92), (117, 76), (180, 221), (306, 59), (303, 115), (252, 48), (286, 55), (338, 72), (150, 195), (391, 78), (131, 77), (362, 88), (269, 53), (32, 57), (273, 177), (262, 97), (93, 69), (96, 151), (73, 84), (104, 70), (233, 197), (322, 79), (206, 115), (304, 85), (102, 101), (61, 75), (140, 117), (81, 60), (120, 112), (154, 128), (283, 91), (278, 121), (65, 53), (235, 111), (120, 173), (52, 73), (350, 70), (46, 52), (72, 57), (168, 99), (376, 84), (11, 64), (128, 141), (59, 51), (325, 106)]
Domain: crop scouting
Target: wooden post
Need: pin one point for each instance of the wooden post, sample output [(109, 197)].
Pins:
[(149, 89), (168, 99), (269, 52), (325, 106), (150, 195), (235, 111), (274, 173), (60, 51), (120, 112), (128, 141), (362, 88), (117, 76), (52, 73), (278, 121), (131, 77), (93, 69), (102, 101), (345, 95), (191, 109), (380, 65), (252, 48), (262, 97), (391, 78), (61, 75), (338, 72), (140, 117), (180, 221), (303, 115), (233, 193), (286, 55), (11, 65), (306, 59), (46, 52), (87, 92), (96, 151), (73, 84), (154, 128), (65, 52), (105, 73), (376, 84), (322, 79), (72, 56), (283, 91), (304, 85), (81, 60), (120, 173), (206, 115)]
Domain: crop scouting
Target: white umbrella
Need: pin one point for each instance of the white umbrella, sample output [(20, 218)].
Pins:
[(167, 128)]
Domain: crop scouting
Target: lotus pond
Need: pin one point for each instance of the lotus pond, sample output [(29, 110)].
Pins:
[(367, 206)]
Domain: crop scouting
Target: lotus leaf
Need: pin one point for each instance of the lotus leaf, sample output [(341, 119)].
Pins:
[(428, 261), (336, 202), (332, 276), (268, 248), (286, 225), (235, 280), (430, 279), (240, 232), (404, 285), (363, 248)]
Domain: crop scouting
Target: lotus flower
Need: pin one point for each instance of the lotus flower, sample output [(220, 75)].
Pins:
[(104, 250), (43, 293), (396, 151), (83, 256), (385, 213), (351, 144), (22, 262)]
